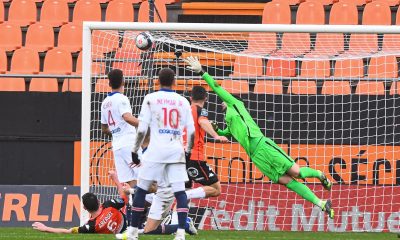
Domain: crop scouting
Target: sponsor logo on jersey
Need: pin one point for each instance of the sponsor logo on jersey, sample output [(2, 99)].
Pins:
[(204, 112), (105, 220), (169, 131), (117, 130)]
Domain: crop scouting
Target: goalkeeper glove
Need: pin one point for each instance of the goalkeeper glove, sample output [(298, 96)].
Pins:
[(214, 125), (135, 159), (195, 65)]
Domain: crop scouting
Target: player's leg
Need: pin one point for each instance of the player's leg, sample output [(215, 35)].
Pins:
[(201, 172), (122, 159), (177, 176), (307, 172)]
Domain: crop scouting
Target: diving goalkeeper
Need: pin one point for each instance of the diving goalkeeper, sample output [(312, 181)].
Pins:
[(269, 158)]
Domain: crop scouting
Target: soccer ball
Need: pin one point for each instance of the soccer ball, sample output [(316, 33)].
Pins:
[(144, 41)]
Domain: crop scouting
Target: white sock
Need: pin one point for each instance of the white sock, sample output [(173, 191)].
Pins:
[(180, 231), (174, 219), (196, 193), (132, 231), (149, 197)]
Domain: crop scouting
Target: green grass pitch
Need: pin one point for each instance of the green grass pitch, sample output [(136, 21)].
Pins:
[(28, 233)]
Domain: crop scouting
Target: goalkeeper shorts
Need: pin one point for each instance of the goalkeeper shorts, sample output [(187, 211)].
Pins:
[(271, 160)]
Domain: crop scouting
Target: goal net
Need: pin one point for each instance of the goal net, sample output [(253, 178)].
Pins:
[(328, 95)]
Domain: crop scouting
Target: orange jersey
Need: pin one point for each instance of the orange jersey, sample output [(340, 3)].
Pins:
[(198, 113)]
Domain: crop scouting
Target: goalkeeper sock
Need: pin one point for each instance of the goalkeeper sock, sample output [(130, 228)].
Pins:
[(304, 192), (196, 193), (306, 172)]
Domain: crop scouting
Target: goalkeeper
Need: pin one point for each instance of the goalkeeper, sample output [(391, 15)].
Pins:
[(269, 158)]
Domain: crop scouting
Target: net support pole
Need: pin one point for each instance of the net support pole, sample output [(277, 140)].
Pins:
[(86, 110)]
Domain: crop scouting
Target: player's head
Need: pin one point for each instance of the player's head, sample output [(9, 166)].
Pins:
[(90, 202), (166, 76), (115, 78), (224, 106), (199, 94)]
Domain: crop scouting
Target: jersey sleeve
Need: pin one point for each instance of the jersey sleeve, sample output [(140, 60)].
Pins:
[(220, 91), (116, 203), (103, 119), (203, 114), (124, 106), (89, 227), (145, 112)]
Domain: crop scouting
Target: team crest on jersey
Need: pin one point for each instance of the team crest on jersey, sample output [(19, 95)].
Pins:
[(193, 172), (204, 112)]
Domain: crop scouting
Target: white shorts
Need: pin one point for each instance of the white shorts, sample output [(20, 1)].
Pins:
[(169, 172), (122, 159), (161, 204)]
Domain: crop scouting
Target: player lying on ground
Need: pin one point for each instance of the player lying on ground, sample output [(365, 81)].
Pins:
[(117, 121), (269, 158), (167, 114), (198, 169)]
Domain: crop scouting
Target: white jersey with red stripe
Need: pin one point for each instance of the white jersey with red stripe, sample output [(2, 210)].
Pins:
[(167, 114), (113, 107)]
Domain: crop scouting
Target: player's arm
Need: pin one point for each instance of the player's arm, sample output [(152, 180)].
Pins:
[(126, 112), (123, 189), (144, 122), (206, 125), (43, 228), (220, 91), (129, 118), (106, 130)]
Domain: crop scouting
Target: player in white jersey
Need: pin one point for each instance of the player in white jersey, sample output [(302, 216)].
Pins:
[(167, 114), (117, 121)]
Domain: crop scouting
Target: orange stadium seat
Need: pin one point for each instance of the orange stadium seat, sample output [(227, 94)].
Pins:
[(43, 85), (70, 37), (302, 87), (276, 12), (329, 44), (22, 12), (2, 13), (58, 61), (25, 61), (349, 68), (120, 11), (363, 43), (128, 42), (87, 10), (262, 43), (294, 44), (144, 12), (390, 2), (247, 67), (315, 69), (355, 2), (104, 41), (336, 88), (343, 13), (11, 36), (383, 67), (391, 41), (72, 85), (40, 37), (54, 12), (310, 13), (236, 86), (102, 86), (97, 68), (370, 88), (323, 2), (377, 13), (125, 62), (3, 62), (395, 88), (290, 2), (12, 84), (281, 68), (268, 87)]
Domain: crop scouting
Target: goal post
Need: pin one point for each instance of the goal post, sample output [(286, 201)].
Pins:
[(328, 95)]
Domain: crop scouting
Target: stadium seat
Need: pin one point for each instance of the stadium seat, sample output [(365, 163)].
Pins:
[(247, 67), (383, 67), (22, 12), (104, 41), (54, 12), (343, 13), (363, 43), (328, 44), (323, 2), (391, 3), (261, 43), (120, 11), (281, 68), (268, 87), (43, 85), (70, 37), (2, 13), (349, 68), (72, 85), (336, 88), (144, 12), (58, 61), (125, 62), (302, 87), (11, 36), (377, 13), (276, 12), (290, 2), (128, 41), (3, 62), (236, 86), (391, 41), (102, 86), (98, 68), (12, 84), (40, 37), (25, 61), (395, 88), (87, 10), (295, 44), (315, 68), (370, 88), (310, 13), (355, 2)]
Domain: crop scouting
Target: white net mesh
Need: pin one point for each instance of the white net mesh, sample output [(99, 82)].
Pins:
[(329, 100)]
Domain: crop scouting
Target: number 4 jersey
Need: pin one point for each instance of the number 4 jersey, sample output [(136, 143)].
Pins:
[(112, 109), (167, 114)]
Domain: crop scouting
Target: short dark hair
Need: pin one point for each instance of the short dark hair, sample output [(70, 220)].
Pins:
[(90, 202), (199, 93), (166, 76), (115, 78)]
